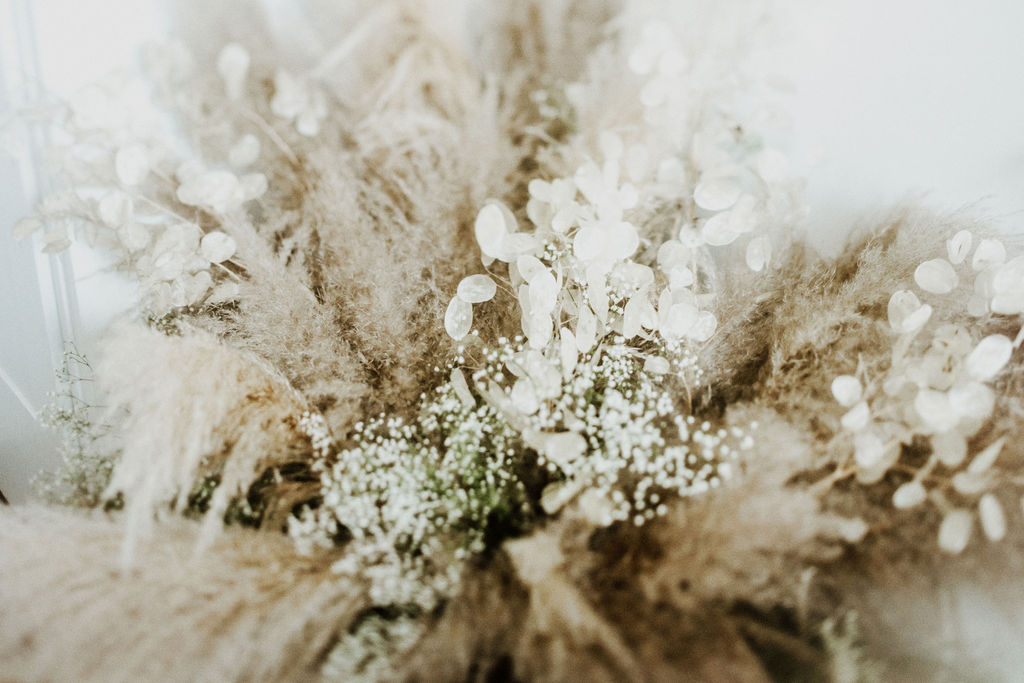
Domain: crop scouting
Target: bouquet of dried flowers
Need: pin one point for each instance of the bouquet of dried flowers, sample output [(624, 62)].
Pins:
[(497, 353)]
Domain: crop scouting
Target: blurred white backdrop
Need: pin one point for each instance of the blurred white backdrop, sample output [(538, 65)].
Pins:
[(907, 100), (893, 101)]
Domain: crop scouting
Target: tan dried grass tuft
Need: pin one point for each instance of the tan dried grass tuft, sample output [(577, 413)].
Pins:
[(248, 609)]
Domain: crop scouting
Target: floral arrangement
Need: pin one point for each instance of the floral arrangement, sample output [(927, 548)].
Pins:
[(497, 355)]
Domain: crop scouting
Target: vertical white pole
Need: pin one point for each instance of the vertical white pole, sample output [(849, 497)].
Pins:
[(55, 273)]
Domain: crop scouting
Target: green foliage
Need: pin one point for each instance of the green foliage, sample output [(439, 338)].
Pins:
[(89, 456)]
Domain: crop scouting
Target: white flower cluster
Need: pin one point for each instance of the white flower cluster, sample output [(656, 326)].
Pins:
[(573, 274), (608, 431), (368, 651), (417, 496), (314, 427), (165, 255), (166, 221), (739, 190), (298, 101), (175, 261), (942, 393), (584, 270)]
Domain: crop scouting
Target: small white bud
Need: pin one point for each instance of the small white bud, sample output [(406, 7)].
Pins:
[(993, 520), (847, 390), (955, 531)]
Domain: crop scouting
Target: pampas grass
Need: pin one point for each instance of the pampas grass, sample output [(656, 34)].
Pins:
[(221, 413), (248, 609)]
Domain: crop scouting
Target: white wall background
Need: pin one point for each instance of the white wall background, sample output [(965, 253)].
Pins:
[(908, 99), (904, 99)]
